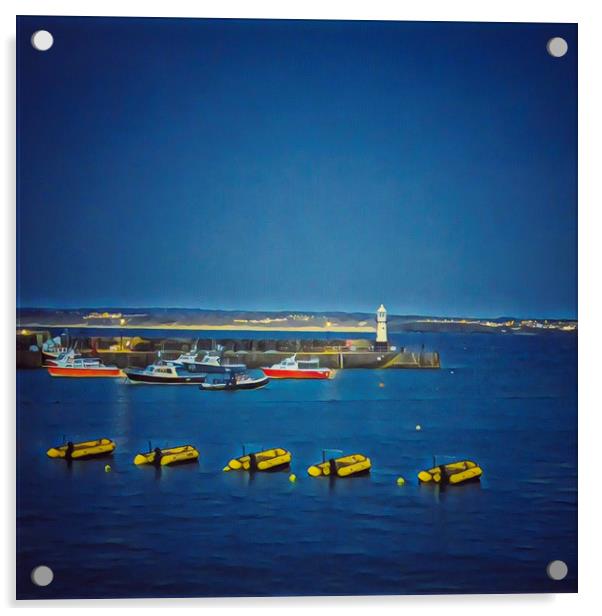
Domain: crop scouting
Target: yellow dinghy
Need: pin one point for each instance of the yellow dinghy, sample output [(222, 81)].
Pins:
[(166, 457), (81, 451), (268, 460), (345, 466), (454, 473)]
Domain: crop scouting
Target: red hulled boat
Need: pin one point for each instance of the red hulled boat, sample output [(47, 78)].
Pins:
[(71, 366), (291, 368)]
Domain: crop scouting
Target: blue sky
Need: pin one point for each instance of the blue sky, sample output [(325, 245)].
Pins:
[(247, 164)]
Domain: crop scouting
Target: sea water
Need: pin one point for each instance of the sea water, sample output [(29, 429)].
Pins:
[(509, 402)]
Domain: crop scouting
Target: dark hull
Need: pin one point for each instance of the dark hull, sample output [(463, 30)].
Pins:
[(228, 387), (138, 377)]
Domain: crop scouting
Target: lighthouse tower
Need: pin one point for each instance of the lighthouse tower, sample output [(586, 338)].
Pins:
[(382, 344)]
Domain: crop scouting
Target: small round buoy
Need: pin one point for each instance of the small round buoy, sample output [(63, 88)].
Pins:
[(381, 384), (107, 468), (418, 427), (400, 481), (292, 478)]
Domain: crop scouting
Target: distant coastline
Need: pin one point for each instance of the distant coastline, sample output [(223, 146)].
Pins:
[(199, 320), (203, 327)]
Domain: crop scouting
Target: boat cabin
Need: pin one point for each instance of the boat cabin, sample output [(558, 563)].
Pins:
[(163, 369), (308, 364), (299, 364), (68, 360)]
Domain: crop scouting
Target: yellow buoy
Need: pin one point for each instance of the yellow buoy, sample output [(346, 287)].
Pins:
[(107, 468), (381, 384), (400, 481), (292, 478)]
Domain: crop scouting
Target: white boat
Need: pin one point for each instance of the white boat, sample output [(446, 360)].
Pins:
[(209, 364), (53, 352), (164, 373), (71, 366), (59, 358)]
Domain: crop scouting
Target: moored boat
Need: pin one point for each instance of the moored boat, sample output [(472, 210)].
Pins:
[(54, 358), (168, 457), (267, 460), (53, 350), (210, 363), (292, 368), (71, 366), (345, 466), (453, 473), (83, 450), (234, 381), (164, 373)]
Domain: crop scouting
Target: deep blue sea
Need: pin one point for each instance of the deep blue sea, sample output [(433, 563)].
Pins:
[(508, 402)]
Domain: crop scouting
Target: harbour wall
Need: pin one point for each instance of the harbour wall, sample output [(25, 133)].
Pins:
[(255, 353), (257, 359)]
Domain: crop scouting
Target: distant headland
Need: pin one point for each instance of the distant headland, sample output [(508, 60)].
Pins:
[(248, 320)]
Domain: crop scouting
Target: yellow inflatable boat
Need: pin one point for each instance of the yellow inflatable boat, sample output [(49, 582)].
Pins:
[(81, 451), (268, 460), (165, 457), (345, 466), (454, 473)]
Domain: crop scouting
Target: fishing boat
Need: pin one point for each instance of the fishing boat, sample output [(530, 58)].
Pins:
[(52, 350), (71, 366), (50, 357), (345, 466), (84, 450), (56, 359), (454, 473), (234, 381), (276, 459), (164, 373), (292, 368), (167, 457), (210, 363)]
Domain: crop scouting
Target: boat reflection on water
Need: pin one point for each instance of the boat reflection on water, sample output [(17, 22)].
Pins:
[(441, 491)]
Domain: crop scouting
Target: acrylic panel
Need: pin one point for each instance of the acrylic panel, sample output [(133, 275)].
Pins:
[(296, 307)]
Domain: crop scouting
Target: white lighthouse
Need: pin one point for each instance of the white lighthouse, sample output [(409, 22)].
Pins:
[(382, 344)]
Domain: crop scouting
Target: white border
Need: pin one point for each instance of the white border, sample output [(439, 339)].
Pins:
[(590, 203)]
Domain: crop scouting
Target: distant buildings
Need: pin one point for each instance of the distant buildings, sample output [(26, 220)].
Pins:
[(103, 315), (505, 325)]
